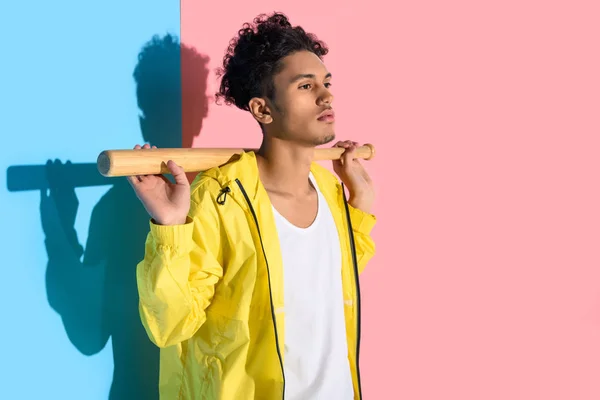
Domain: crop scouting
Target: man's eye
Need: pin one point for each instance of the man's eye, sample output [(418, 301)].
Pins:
[(307, 86), (328, 85)]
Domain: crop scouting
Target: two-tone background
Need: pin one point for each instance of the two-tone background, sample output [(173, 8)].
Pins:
[(486, 121)]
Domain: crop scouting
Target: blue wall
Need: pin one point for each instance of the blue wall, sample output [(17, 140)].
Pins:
[(70, 240)]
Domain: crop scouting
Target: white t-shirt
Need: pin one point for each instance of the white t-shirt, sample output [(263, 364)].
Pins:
[(316, 354)]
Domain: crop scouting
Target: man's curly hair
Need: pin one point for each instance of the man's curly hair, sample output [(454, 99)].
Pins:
[(255, 56)]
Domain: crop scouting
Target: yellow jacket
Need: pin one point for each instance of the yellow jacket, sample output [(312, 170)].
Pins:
[(211, 290)]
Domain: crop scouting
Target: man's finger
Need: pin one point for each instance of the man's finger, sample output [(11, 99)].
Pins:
[(178, 173), (351, 152), (133, 180), (343, 143), (349, 155)]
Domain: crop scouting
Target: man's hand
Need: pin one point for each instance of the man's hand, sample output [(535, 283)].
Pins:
[(167, 203), (355, 177)]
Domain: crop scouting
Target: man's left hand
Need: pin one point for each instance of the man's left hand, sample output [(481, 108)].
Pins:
[(355, 177)]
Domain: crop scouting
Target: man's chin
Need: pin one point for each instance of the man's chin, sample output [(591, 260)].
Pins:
[(326, 139)]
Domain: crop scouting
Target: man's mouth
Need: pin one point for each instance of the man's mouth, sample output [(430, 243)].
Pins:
[(327, 116)]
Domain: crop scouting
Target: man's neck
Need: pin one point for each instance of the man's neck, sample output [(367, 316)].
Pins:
[(284, 167)]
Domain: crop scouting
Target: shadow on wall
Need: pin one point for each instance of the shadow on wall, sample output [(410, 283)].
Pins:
[(93, 288)]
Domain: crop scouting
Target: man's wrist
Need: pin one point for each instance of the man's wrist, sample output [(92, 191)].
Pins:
[(173, 222), (362, 202)]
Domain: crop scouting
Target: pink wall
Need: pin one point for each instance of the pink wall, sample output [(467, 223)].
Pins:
[(485, 117)]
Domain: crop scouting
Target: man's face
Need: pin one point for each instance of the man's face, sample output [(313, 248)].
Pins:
[(302, 110)]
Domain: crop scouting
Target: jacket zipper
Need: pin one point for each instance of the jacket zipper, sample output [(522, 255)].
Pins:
[(353, 247), (269, 278), (356, 279)]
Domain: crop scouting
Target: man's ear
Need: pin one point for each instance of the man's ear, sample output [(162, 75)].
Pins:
[(260, 110)]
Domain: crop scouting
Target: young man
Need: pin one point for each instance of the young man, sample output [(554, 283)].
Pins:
[(250, 280)]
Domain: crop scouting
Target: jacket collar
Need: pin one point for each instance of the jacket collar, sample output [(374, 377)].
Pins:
[(243, 167)]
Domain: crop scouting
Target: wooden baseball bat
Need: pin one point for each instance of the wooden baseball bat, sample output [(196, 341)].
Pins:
[(113, 163)]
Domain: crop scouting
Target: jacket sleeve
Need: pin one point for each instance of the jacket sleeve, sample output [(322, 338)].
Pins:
[(362, 224), (177, 277)]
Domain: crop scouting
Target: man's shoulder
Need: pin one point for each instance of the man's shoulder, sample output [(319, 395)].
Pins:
[(209, 185), (217, 177), (324, 175), (203, 183)]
